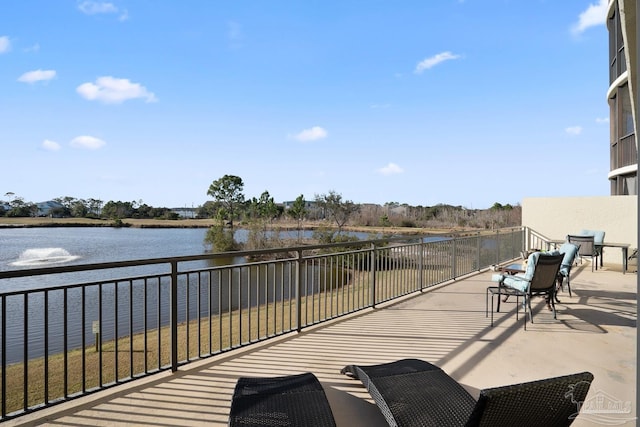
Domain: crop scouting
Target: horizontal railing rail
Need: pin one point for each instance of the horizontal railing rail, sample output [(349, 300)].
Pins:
[(71, 330)]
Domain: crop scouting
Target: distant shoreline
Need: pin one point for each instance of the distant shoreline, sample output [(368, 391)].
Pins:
[(7, 223), (88, 222)]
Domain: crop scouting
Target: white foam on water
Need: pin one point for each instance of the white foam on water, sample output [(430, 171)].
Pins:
[(44, 256)]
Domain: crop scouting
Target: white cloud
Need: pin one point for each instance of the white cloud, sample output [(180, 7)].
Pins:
[(99, 7), (601, 120), (596, 14), (311, 134), (427, 63), (50, 145), (391, 169), (5, 44), (34, 48), (573, 130), (87, 142), (96, 7), (37, 76), (234, 34), (110, 90)]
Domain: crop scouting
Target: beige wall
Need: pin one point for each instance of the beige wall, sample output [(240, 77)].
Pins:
[(555, 217)]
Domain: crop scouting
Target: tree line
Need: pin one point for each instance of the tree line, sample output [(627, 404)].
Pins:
[(230, 206), (71, 207)]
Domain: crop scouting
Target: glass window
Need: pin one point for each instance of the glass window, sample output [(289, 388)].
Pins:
[(617, 61), (613, 49), (613, 114), (629, 185), (626, 113)]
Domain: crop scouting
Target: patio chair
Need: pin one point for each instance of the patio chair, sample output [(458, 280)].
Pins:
[(292, 400), (598, 240), (539, 279), (412, 392), (570, 251), (587, 248)]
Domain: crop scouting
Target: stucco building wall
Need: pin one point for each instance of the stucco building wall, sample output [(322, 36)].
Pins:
[(555, 217)]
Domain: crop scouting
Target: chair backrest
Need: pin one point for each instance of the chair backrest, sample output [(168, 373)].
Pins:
[(290, 400), (570, 251), (548, 402), (546, 272), (586, 243), (598, 235)]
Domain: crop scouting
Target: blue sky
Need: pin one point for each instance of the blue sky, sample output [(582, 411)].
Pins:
[(463, 102)]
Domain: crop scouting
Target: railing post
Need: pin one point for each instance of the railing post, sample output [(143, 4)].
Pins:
[(372, 269), (173, 315), (453, 259), (421, 265), (479, 248), (299, 281), (3, 357), (497, 246)]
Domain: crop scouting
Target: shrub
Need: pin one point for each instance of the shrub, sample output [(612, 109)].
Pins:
[(221, 239), (407, 223)]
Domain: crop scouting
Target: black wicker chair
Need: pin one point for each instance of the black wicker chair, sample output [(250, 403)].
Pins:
[(293, 400), (412, 392)]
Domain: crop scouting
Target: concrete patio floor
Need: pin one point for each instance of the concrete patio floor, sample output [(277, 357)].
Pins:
[(595, 331)]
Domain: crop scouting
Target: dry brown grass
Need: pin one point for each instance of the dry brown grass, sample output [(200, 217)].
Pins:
[(135, 356), (87, 369), (133, 359)]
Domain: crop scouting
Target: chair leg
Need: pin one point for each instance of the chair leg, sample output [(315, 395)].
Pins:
[(569, 284), (486, 304), (559, 281), (492, 296)]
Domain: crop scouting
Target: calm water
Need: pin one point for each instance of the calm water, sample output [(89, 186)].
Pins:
[(24, 248), (39, 247), (44, 247)]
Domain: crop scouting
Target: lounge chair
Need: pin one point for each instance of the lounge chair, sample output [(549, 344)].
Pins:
[(293, 400), (412, 392)]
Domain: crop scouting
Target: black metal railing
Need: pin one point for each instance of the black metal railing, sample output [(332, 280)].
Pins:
[(71, 330)]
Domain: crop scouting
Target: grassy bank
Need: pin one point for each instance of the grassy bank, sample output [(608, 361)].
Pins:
[(131, 356)]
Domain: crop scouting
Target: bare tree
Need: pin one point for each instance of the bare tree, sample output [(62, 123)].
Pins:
[(337, 209)]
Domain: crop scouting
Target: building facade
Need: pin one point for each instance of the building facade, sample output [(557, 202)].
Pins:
[(623, 115)]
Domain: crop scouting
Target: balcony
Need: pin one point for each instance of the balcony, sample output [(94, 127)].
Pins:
[(595, 330)]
